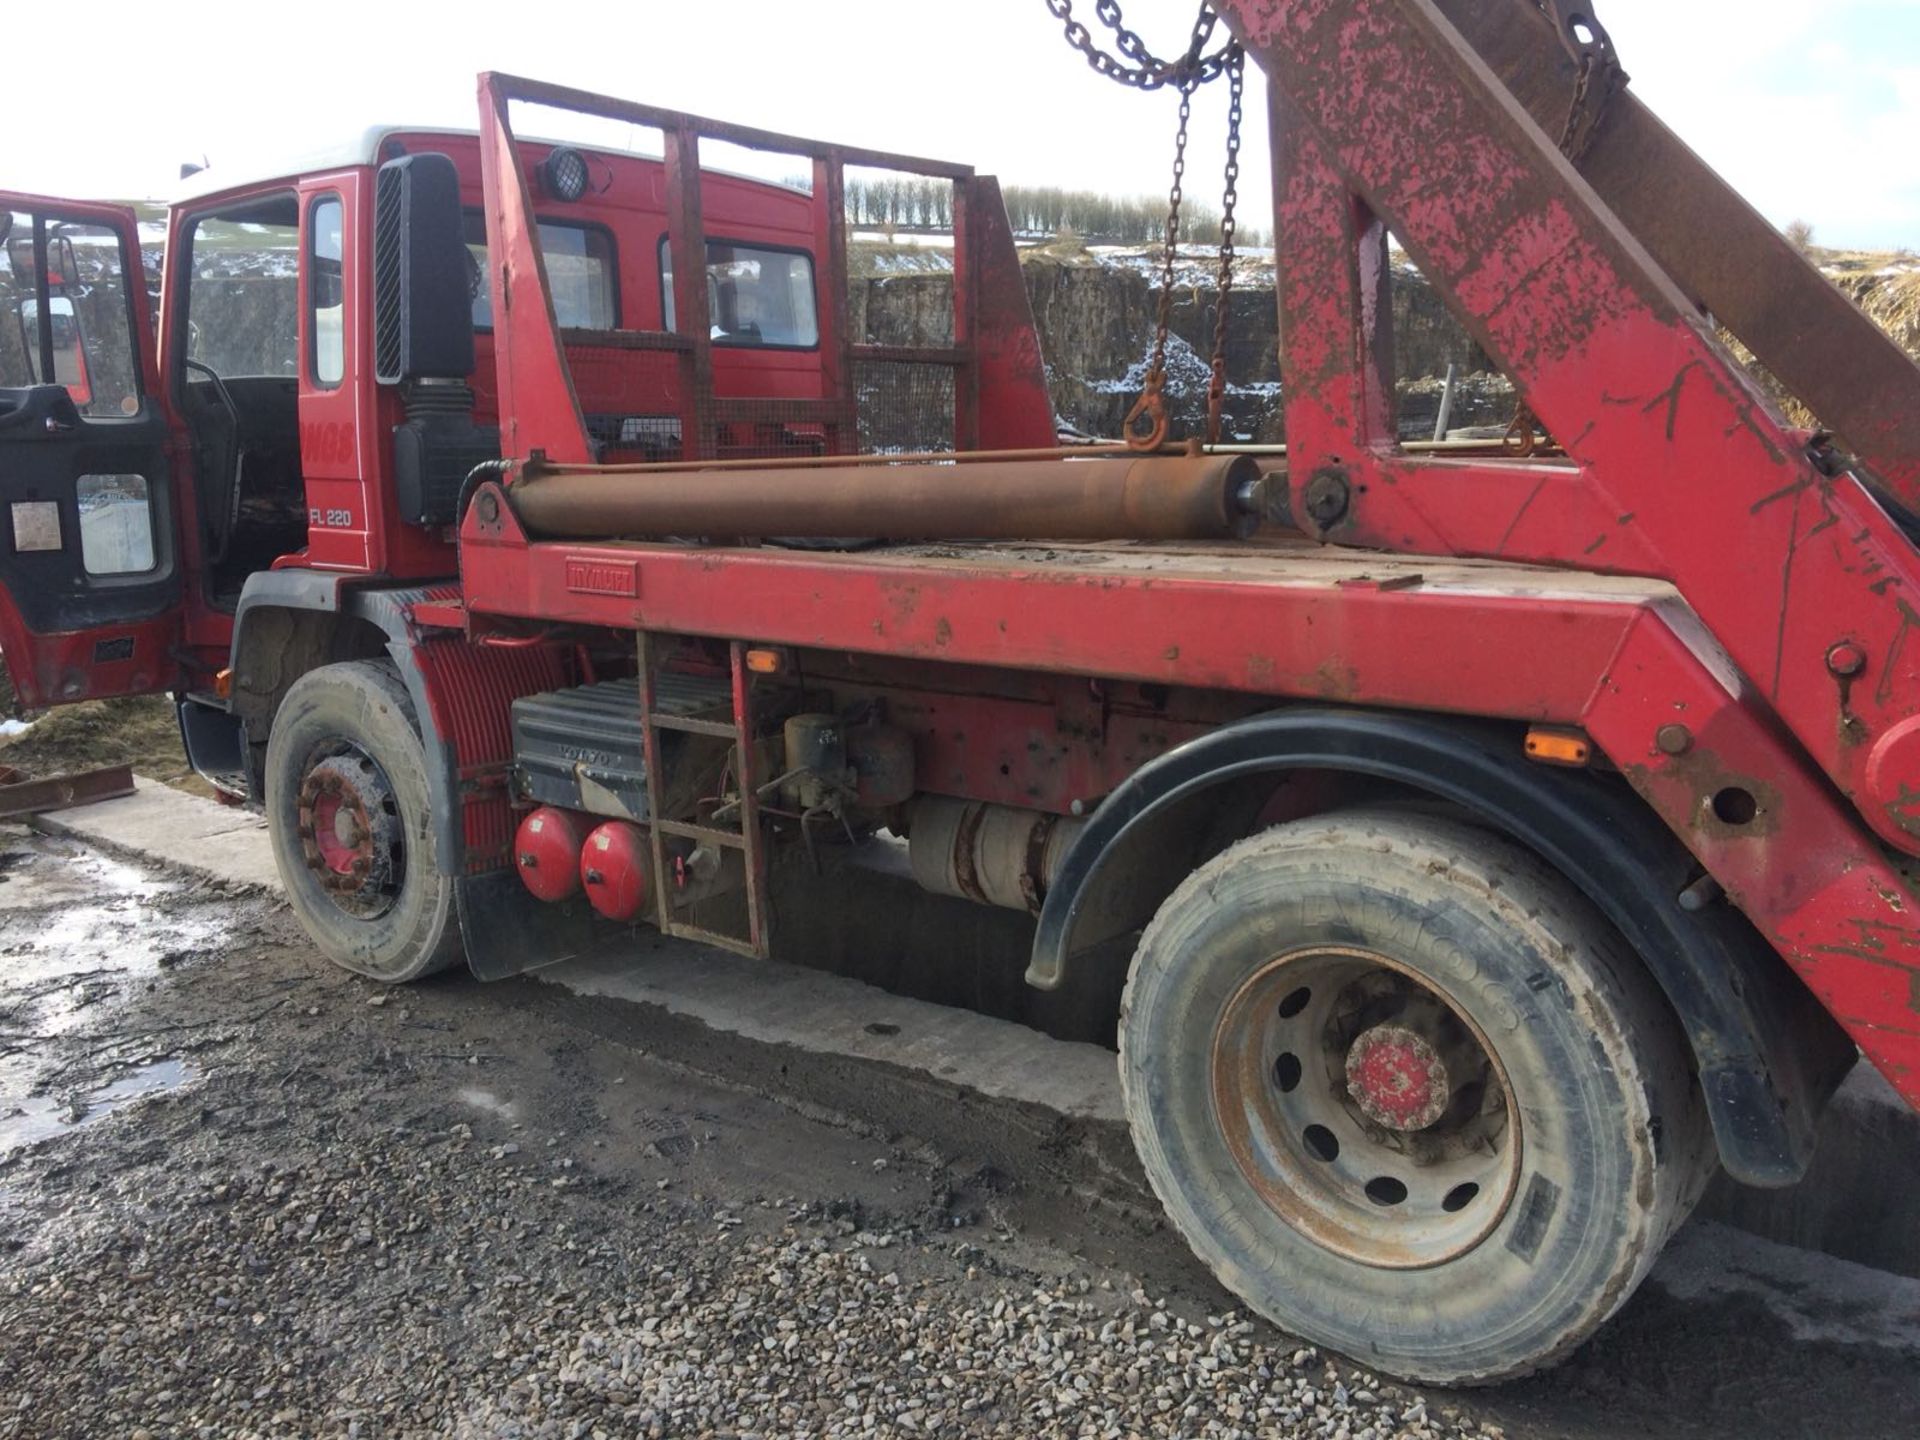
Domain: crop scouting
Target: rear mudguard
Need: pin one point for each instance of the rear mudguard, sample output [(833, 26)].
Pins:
[(1767, 1055)]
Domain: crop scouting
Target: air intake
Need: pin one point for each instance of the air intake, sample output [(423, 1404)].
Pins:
[(422, 273)]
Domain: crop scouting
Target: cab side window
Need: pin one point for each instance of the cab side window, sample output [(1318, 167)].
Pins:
[(326, 292), (581, 274), (755, 295), (64, 316)]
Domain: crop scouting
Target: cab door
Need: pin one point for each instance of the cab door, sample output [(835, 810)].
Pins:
[(90, 584)]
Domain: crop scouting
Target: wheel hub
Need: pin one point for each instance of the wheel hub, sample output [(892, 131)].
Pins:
[(350, 837), (1397, 1078), (1364, 1108)]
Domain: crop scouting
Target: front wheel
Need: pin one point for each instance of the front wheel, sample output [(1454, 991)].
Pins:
[(1407, 1095), (348, 814)]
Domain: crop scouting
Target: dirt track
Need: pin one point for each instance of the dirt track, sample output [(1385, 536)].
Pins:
[(242, 1193)]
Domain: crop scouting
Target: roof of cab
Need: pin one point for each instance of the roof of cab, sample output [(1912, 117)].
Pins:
[(364, 148)]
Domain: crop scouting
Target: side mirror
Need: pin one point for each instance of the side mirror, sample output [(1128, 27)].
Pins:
[(69, 346), (423, 301)]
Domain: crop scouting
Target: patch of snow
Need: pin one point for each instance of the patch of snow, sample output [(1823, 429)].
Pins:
[(1185, 371)]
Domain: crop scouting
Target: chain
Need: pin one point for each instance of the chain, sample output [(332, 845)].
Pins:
[(1136, 65), (1151, 407), (1229, 195), (1586, 41)]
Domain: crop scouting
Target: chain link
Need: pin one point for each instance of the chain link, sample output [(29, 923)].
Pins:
[(1151, 406), (1229, 196), (1136, 65), (1139, 67)]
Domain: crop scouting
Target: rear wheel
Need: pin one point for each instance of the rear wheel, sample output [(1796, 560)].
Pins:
[(1406, 1094), (348, 813)]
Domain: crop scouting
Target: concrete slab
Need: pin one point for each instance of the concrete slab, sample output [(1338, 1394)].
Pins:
[(157, 822), (1855, 1204), (831, 1015)]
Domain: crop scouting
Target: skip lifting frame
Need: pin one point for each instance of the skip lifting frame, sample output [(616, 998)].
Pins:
[(1383, 113)]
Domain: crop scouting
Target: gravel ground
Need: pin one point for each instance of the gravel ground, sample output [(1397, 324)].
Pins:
[(242, 1194), (432, 1284)]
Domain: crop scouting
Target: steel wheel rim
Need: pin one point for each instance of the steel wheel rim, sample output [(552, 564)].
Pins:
[(1325, 1066), (351, 840)]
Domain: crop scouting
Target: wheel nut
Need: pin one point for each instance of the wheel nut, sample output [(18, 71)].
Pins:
[(1397, 1078)]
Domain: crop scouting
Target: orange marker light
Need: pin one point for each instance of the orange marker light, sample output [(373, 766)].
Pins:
[(1558, 747), (764, 662), (223, 683)]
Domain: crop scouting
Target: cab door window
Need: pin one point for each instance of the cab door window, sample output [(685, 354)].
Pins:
[(64, 313), (243, 291)]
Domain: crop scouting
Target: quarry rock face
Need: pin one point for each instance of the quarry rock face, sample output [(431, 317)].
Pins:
[(1097, 313)]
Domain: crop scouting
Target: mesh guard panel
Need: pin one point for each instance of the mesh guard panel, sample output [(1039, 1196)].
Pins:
[(905, 407)]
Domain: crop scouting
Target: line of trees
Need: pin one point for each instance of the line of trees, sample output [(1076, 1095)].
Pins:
[(904, 202)]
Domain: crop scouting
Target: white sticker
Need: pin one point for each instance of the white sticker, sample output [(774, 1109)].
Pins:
[(36, 525)]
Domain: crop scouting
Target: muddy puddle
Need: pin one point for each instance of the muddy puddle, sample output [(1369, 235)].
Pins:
[(40, 1117), (80, 935)]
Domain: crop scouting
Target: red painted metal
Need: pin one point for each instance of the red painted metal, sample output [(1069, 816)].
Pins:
[(1397, 1078), (1276, 620), (335, 854), (1012, 407), (57, 669), (1389, 113), (1384, 115), (722, 397), (613, 869), (547, 849), (470, 690), (147, 655)]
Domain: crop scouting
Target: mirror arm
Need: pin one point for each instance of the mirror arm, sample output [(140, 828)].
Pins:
[(43, 294)]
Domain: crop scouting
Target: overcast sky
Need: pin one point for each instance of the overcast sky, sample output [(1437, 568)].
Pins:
[(1811, 109)]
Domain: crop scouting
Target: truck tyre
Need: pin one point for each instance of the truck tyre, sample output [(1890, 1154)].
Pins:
[(1408, 1095), (348, 815)]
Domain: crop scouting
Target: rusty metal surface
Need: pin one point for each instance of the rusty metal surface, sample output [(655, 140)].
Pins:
[(1390, 115), (1013, 408), (1156, 497), (58, 792), (990, 854), (1722, 251), (841, 462), (1712, 488), (1309, 1147)]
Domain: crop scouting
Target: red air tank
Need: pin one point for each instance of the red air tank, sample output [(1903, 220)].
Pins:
[(546, 851), (613, 867)]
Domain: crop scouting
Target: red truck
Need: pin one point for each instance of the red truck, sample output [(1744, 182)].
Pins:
[(1504, 842)]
